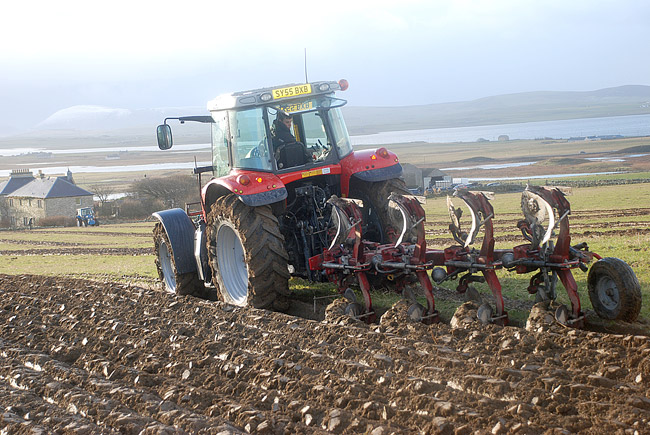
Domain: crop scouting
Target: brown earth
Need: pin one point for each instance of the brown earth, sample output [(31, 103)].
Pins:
[(80, 356)]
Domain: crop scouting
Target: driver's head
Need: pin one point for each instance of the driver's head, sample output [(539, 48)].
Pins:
[(284, 118)]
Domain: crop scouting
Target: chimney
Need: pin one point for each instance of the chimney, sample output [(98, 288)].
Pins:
[(21, 173), (40, 174)]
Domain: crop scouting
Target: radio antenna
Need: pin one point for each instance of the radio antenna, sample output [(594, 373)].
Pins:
[(306, 80)]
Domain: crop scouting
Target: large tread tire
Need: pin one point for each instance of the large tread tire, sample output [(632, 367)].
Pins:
[(614, 290), (375, 209), (255, 233), (173, 282)]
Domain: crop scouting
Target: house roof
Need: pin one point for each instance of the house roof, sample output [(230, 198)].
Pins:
[(14, 183), (49, 188)]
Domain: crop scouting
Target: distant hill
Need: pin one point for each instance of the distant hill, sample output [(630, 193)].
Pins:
[(98, 126), (109, 118), (502, 109)]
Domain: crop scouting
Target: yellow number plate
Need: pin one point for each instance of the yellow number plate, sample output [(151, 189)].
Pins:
[(297, 107), (291, 91)]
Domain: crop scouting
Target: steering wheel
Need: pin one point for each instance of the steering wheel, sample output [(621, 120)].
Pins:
[(259, 150), (325, 147)]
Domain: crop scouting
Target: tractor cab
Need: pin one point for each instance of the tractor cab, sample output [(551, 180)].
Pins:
[(247, 130), (250, 130)]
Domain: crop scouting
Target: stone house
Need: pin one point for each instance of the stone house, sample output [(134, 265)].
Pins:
[(25, 199)]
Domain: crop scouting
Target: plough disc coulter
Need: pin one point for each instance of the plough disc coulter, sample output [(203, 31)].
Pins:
[(613, 288)]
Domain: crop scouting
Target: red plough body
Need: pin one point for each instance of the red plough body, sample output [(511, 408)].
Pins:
[(351, 259)]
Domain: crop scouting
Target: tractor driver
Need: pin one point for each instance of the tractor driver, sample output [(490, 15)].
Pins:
[(282, 129), (288, 152)]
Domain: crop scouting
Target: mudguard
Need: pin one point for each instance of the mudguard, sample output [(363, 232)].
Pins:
[(263, 188), (369, 166), (380, 174), (180, 231)]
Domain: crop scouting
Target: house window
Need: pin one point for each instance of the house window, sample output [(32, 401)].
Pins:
[(25, 221), (40, 203), (11, 202), (29, 202), (21, 201), (78, 201)]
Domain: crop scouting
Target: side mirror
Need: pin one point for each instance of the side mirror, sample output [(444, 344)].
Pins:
[(164, 133)]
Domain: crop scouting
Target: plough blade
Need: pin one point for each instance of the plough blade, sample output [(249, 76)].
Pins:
[(536, 209), (464, 259)]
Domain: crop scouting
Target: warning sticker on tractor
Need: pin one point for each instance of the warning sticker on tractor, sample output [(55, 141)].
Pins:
[(291, 91), (315, 172)]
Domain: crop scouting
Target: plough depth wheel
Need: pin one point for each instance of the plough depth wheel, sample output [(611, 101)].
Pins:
[(614, 290)]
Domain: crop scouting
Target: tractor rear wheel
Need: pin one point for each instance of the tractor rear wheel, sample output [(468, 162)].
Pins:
[(175, 283), (247, 255), (614, 290), (378, 226)]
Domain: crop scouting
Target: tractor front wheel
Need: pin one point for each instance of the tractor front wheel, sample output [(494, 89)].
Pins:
[(614, 290), (247, 255), (174, 282)]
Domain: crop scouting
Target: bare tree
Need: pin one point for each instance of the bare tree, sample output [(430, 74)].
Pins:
[(102, 191), (174, 191)]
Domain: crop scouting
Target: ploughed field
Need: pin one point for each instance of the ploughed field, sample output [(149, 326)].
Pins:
[(89, 356), (90, 343)]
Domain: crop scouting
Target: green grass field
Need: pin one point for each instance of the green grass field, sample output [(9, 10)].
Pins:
[(20, 251)]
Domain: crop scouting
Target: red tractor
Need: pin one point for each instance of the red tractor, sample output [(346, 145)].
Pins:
[(278, 156)]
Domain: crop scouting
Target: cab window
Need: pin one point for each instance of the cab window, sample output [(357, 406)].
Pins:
[(318, 146), (220, 164), (248, 138), (341, 138)]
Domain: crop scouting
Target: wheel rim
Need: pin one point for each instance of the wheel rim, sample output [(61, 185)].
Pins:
[(607, 292), (232, 264), (167, 267)]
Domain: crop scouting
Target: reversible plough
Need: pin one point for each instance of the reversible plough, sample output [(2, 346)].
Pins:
[(613, 288)]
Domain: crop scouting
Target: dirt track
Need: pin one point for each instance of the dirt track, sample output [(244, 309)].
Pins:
[(97, 357)]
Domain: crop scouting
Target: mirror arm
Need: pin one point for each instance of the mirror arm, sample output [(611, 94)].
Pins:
[(183, 119)]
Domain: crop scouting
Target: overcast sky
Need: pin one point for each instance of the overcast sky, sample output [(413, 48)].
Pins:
[(146, 54)]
